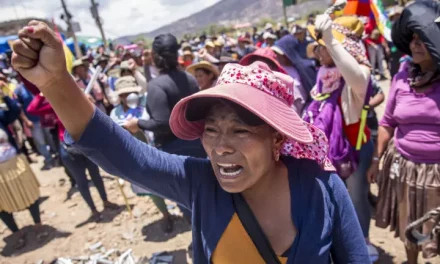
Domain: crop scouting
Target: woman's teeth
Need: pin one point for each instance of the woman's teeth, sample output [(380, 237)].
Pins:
[(229, 169)]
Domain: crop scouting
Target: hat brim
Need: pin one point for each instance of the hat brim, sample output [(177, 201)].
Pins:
[(225, 62), (338, 36), (136, 89), (277, 50), (192, 69), (188, 54), (245, 61), (270, 109)]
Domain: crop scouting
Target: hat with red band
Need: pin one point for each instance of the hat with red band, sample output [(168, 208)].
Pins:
[(266, 94)]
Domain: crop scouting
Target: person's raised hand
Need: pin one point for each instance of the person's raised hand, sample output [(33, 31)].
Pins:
[(132, 125), (132, 65), (202, 53), (323, 24), (38, 55)]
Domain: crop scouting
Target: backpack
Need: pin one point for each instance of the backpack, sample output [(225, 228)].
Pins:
[(325, 113)]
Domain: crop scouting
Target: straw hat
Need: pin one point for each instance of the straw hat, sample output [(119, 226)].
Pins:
[(125, 65), (185, 45), (101, 58), (226, 59), (203, 65), (343, 27), (396, 10), (348, 30), (188, 53), (126, 85), (210, 44), (219, 43), (77, 63)]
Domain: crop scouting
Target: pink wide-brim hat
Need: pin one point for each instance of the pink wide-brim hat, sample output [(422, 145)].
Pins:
[(266, 94)]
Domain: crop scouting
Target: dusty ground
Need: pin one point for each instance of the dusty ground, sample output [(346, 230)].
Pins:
[(71, 235)]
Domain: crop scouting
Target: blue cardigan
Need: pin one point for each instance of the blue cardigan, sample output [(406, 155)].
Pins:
[(321, 208)]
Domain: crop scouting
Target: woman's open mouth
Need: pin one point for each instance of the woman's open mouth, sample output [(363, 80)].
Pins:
[(229, 170)]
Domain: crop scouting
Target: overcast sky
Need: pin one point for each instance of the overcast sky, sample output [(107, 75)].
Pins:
[(121, 17)]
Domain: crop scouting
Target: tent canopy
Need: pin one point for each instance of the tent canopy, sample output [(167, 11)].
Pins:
[(4, 43)]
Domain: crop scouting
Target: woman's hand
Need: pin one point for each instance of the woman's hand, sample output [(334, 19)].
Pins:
[(132, 65), (38, 55), (373, 171), (132, 125), (323, 24)]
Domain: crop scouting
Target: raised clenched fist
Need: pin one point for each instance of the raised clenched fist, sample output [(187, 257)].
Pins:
[(38, 55)]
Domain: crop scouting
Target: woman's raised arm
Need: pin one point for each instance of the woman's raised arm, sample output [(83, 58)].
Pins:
[(39, 57)]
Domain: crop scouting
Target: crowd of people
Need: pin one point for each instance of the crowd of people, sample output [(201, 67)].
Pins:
[(228, 127)]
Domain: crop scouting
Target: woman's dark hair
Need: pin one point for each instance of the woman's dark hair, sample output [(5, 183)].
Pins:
[(166, 61), (165, 52), (200, 108), (206, 71)]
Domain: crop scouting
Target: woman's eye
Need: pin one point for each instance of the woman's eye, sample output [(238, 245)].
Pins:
[(241, 131), (210, 130)]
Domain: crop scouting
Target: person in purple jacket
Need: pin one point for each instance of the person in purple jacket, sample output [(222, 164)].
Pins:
[(409, 133), (266, 167)]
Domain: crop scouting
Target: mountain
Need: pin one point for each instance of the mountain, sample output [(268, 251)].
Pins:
[(229, 12)]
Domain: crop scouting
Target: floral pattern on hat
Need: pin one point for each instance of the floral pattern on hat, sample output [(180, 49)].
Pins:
[(353, 44), (315, 151), (259, 76)]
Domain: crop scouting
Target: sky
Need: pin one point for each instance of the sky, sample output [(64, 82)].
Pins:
[(120, 17)]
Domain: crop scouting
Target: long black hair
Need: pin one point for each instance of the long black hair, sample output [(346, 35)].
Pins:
[(165, 52)]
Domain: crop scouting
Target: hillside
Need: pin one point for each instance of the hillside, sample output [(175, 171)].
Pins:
[(233, 11)]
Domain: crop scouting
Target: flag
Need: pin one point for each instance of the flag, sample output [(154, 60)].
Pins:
[(289, 2), (381, 17), (373, 9), (67, 53), (358, 7)]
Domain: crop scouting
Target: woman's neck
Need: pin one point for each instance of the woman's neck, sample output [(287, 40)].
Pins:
[(267, 184), (427, 66)]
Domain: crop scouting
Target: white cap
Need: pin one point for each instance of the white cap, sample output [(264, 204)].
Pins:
[(268, 26), (297, 28), (268, 35)]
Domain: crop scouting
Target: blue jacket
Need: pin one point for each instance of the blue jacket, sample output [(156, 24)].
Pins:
[(323, 213)]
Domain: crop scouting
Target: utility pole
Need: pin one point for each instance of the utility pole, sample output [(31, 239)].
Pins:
[(68, 20), (95, 15), (286, 21)]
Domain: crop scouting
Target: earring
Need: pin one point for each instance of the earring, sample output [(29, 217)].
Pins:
[(277, 155)]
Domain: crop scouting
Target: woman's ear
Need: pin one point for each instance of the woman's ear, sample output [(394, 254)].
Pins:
[(278, 140)]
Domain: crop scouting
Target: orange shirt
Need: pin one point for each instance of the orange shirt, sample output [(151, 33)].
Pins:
[(235, 246)]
